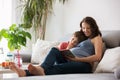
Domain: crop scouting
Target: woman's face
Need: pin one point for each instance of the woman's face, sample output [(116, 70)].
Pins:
[(86, 29)]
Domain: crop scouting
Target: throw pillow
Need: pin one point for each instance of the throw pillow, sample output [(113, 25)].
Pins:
[(110, 60), (40, 50)]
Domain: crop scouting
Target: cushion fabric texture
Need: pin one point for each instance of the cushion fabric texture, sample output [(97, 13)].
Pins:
[(40, 50)]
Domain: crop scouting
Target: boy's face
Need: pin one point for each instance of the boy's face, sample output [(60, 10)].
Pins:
[(73, 41)]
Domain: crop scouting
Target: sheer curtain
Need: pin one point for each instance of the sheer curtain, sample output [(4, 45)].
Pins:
[(5, 13), (10, 13), (5, 19)]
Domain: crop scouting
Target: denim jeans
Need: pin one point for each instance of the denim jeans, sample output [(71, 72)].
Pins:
[(55, 63)]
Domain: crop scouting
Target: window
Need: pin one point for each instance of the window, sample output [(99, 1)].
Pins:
[(5, 19), (5, 13)]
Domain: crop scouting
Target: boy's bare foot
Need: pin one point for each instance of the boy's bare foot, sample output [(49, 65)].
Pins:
[(20, 72), (36, 70)]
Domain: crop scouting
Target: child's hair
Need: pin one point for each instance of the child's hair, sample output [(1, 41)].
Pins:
[(80, 36)]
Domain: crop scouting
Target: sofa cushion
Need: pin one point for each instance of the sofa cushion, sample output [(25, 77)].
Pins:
[(111, 38), (40, 50), (110, 60)]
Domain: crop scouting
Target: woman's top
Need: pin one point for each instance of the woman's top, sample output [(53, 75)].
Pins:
[(83, 49)]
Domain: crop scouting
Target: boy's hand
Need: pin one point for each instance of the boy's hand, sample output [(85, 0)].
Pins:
[(70, 46)]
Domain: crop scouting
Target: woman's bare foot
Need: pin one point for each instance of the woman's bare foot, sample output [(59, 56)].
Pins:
[(20, 72), (36, 70)]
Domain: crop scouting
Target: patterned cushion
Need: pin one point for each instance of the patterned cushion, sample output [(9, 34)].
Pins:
[(40, 50)]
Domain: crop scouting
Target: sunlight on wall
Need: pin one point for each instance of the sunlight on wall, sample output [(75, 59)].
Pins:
[(5, 13)]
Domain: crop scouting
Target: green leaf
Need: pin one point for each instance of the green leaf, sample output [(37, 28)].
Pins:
[(5, 33), (11, 45), (22, 41), (12, 27), (0, 36), (28, 35), (16, 36)]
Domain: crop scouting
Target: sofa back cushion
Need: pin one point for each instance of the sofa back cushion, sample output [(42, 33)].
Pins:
[(40, 50), (111, 38)]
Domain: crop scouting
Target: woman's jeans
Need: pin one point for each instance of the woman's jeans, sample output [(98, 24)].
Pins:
[(55, 63)]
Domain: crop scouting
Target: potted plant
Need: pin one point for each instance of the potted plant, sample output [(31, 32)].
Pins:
[(16, 37), (35, 13)]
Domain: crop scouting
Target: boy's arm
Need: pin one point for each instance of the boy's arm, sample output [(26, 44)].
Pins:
[(63, 46), (69, 46)]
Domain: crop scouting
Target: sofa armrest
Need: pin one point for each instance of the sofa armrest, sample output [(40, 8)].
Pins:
[(25, 57)]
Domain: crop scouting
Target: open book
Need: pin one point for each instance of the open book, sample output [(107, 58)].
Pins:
[(67, 53)]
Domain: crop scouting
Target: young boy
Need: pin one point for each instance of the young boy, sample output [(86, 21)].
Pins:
[(65, 46), (76, 38)]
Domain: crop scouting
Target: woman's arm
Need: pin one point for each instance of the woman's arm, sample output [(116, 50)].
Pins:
[(98, 44)]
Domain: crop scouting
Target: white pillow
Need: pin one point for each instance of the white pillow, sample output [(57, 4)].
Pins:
[(110, 60), (40, 50)]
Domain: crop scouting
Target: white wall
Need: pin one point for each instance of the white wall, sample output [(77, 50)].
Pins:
[(5, 13), (16, 11), (54, 27), (67, 17)]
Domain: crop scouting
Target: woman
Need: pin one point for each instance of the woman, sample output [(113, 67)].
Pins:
[(86, 52)]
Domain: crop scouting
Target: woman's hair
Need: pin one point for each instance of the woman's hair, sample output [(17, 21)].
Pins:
[(93, 26), (80, 36)]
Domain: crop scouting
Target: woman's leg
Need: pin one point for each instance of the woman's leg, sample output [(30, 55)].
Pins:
[(53, 56), (16, 69), (69, 68), (63, 66)]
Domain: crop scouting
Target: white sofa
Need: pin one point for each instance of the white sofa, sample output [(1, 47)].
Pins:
[(112, 41)]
